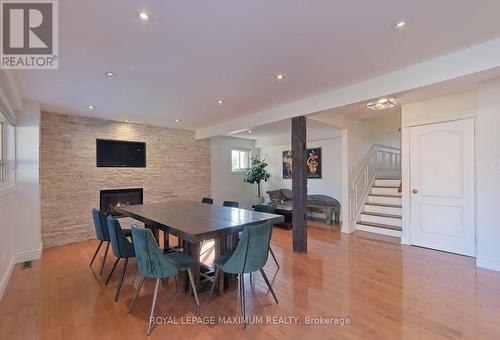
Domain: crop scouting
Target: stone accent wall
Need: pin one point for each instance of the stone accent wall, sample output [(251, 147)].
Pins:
[(178, 168)]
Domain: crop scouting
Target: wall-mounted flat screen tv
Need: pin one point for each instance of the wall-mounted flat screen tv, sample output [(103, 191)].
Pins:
[(120, 154)]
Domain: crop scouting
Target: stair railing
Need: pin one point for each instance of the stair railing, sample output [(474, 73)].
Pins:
[(380, 160)]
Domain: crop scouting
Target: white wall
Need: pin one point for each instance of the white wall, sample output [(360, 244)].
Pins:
[(228, 185), (282, 134), (331, 182), (7, 228), (484, 106), (7, 188), (358, 136), (452, 107), (488, 178), (455, 106), (20, 197), (7, 211), (363, 134), (28, 220)]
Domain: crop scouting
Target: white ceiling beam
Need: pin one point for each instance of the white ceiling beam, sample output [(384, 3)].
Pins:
[(469, 61)]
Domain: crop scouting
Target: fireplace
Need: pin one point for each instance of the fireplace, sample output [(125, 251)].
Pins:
[(110, 199)]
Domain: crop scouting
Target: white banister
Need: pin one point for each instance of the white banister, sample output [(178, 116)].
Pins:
[(380, 160)]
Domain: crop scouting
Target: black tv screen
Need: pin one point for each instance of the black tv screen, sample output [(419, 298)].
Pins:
[(123, 154)]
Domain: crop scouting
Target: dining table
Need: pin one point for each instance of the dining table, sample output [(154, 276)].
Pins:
[(195, 222)]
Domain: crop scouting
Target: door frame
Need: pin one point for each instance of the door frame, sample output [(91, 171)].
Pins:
[(406, 177)]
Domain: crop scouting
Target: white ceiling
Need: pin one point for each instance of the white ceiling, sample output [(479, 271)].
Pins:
[(191, 53)]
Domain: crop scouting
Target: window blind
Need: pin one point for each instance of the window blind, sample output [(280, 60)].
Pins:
[(9, 117)]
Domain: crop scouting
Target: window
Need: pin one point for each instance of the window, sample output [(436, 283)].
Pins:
[(2, 153), (240, 160)]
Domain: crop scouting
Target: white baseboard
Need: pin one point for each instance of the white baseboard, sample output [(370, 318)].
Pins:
[(488, 263), (5, 279), (18, 258), (29, 255)]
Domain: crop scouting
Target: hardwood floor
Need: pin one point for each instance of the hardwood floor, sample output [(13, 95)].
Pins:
[(387, 291)]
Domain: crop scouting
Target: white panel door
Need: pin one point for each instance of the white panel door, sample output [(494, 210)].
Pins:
[(442, 186)]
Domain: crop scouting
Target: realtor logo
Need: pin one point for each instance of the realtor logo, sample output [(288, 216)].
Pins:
[(29, 34)]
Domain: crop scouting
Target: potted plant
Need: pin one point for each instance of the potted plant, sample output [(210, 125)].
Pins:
[(256, 174)]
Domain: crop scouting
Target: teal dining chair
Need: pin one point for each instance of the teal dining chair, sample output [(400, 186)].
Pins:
[(231, 204), (122, 249), (154, 264), (249, 256), (102, 234), (207, 200), (270, 210)]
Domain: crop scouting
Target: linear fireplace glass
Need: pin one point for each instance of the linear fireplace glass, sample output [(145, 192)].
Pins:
[(111, 199)]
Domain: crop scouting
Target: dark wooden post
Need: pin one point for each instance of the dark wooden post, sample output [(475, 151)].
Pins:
[(299, 184)]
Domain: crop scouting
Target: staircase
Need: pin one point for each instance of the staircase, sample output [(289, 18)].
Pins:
[(382, 208)]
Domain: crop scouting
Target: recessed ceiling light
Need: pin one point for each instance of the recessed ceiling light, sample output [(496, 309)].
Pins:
[(220, 101), (91, 107), (110, 74), (401, 24), (249, 131), (177, 121), (280, 76), (143, 15), (382, 103)]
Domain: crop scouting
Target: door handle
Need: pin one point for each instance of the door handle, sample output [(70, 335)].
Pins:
[(414, 191)]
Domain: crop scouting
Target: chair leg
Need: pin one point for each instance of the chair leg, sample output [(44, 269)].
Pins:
[(214, 283), (96, 251), (151, 316), (274, 257), (136, 294), (112, 270), (121, 281), (268, 284), (193, 287), (104, 258), (242, 300)]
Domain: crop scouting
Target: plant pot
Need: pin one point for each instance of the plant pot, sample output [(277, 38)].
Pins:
[(258, 200)]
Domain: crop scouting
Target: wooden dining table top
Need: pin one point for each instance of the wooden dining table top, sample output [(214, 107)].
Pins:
[(195, 221)]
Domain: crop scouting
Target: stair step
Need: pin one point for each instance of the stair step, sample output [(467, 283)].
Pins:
[(386, 199), (387, 182), (384, 218), (383, 209), (384, 205), (381, 214), (376, 190), (380, 225), (384, 195), (377, 230)]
